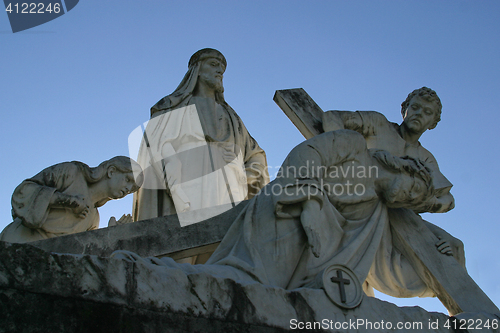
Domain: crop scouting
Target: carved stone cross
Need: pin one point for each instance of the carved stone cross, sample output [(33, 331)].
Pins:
[(342, 282), (443, 274)]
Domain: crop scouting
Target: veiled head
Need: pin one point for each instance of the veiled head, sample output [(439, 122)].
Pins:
[(204, 54), (181, 95)]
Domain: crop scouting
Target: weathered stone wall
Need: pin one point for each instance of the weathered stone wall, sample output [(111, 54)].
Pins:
[(44, 292)]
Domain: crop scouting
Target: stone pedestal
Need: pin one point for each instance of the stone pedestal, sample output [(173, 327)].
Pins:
[(48, 292)]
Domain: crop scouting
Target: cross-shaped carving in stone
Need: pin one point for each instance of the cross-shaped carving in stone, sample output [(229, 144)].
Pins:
[(342, 282)]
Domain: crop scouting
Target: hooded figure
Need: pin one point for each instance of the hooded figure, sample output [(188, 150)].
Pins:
[(198, 158)]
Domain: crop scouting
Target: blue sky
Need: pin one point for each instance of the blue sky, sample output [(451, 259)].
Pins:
[(74, 88)]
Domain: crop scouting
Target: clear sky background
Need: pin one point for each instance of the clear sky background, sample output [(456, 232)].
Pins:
[(74, 88)]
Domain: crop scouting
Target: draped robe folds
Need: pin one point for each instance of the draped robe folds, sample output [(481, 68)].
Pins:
[(199, 131), (267, 242), (34, 219)]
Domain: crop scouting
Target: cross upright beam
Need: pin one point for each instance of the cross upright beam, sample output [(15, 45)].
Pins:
[(302, 110)]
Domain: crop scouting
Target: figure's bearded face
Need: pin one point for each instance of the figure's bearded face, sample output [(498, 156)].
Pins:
[(211, 74), (405, 191)]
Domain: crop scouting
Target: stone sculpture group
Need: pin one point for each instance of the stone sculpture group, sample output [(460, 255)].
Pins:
[(312, 216), (329, 206)]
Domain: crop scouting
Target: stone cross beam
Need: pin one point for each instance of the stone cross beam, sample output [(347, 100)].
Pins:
[(443, 274)]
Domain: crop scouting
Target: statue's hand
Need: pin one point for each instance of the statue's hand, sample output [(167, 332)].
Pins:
[(229, 156), (448, 244), (79, 206), (180, 199), (444, 246), (126, 218)]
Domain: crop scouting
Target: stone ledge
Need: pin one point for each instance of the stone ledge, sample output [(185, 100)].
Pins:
[(155, 237), (44, 292)]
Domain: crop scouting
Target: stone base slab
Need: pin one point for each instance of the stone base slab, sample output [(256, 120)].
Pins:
[(49, 292)]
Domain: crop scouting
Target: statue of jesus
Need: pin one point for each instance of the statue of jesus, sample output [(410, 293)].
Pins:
[(196, 152)]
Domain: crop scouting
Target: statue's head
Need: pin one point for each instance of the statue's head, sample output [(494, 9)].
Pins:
[(204, 54), (421, 110), (410, 182), (206, 67), (212, 66), (122, 175)]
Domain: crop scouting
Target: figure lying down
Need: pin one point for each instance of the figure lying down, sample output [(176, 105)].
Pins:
[(328, 205)]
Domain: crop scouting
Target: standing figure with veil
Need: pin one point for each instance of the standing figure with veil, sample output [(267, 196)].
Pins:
[(198, 157)]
